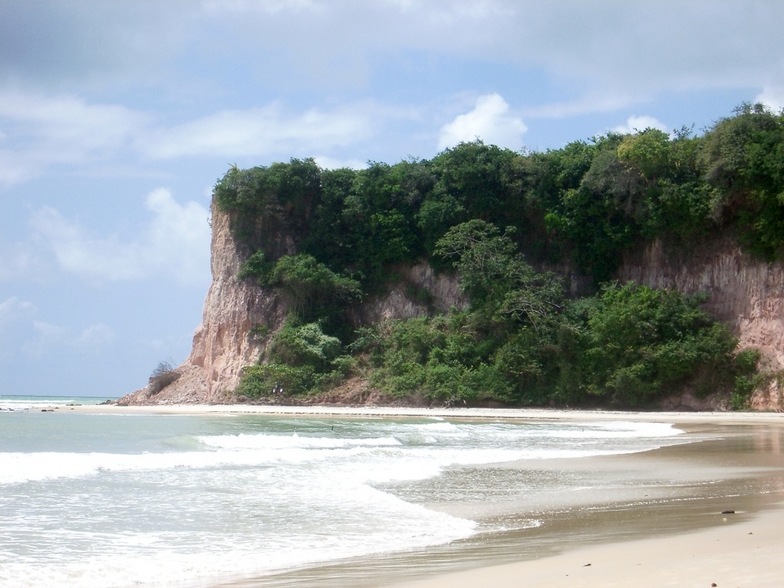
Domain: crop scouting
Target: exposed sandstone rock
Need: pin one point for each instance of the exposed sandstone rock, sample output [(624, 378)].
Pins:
[(418, 291), (223, 344), (744, 292)]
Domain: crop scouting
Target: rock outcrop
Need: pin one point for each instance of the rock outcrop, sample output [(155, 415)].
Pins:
[(744, 292), (236, 309), (224, 342)]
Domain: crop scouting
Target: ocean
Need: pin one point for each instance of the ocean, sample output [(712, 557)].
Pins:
[(100, 500)]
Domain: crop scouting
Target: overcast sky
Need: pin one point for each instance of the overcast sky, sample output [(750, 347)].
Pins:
[(117, 117)]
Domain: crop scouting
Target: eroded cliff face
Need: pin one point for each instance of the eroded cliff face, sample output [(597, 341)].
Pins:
[(745, 293), (224, 343), (417, 291)]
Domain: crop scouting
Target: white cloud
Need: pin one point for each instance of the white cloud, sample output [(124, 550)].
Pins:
[(490, 121), (47, 131), (333, 163), (259, 131), (594, 51), (69, 120), (17, 261), (65, 130), (772, 97), (15, 314), (635, 124), (48, 336), (174, 244), (17, 320)]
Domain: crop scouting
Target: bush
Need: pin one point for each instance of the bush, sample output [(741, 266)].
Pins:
[(305, 345), (275, 379), (746, 378), (162, 376), (642, 343)]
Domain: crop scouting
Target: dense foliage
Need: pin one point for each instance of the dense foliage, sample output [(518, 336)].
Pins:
[(493, 216)]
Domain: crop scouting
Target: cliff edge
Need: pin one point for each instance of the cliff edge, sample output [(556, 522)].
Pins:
[(223, 343), (744, 292)]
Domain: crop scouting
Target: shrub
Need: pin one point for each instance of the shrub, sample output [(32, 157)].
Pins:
[(162, 376), (275, 379)]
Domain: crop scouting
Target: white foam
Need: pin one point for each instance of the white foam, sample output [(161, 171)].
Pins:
[(255, 502), (262, 441)]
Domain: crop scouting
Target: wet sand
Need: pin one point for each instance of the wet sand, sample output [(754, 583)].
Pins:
[(745, 554), (658, 538), (646, 519)]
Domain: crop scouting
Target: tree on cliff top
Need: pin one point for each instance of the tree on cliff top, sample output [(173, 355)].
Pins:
[(581, 207)]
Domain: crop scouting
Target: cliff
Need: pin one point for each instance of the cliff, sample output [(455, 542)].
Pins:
[(744, 292), (223, 343)]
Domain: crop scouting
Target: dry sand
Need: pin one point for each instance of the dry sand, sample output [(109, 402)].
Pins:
[(740, 550)]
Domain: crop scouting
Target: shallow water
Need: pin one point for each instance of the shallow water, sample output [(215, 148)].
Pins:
[(161, 500), (675, 489)]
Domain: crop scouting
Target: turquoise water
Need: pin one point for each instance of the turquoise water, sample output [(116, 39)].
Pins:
[(159, 500)]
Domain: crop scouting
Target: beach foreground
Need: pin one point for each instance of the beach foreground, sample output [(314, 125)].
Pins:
[(745, 554), (685, 542)]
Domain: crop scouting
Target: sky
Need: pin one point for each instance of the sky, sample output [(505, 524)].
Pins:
[(117, 117)]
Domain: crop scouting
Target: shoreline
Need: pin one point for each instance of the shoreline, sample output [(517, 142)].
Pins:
[(666, 541), (738, 554), (728, 537), (457, 413)]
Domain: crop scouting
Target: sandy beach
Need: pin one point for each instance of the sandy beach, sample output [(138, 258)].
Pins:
[(686, 542), (745, 554)]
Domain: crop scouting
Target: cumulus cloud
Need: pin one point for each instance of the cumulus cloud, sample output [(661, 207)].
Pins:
[(46, 336), (595, 51), (772, 97), (17, 261), (95, 336), (645, 47), (175, 243), (333, 163), (36, 337), (635, 124), (66, 130), (490, 120), (93, 42), (15, 315)]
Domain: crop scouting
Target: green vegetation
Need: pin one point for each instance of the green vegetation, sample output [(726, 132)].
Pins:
[(496, 217)]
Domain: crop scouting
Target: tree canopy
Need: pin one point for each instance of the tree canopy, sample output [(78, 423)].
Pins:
[(496, 218)]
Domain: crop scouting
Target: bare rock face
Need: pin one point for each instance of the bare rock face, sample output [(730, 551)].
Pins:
[(417, 291), (744, 292), (224, 343)]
